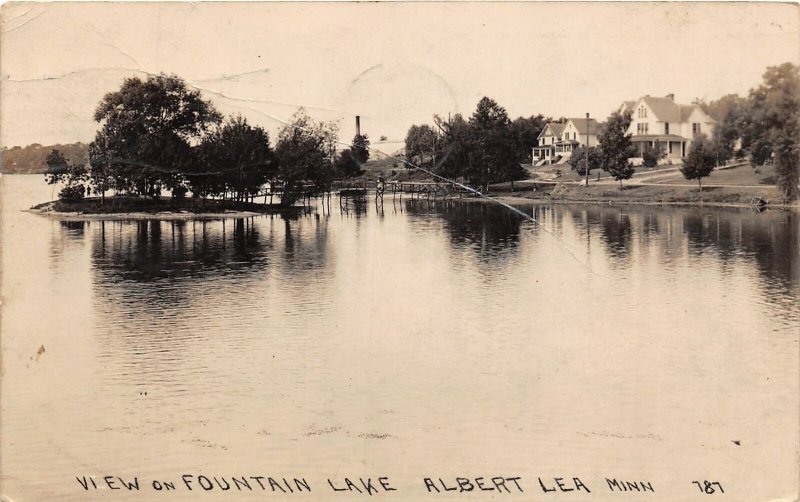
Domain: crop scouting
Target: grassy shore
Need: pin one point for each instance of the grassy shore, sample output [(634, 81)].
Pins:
[(643, 195), (737, 184), (162, 208)]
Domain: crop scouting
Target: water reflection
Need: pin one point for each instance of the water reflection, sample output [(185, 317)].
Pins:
[(145, 251), (769, 238), (491, 231)]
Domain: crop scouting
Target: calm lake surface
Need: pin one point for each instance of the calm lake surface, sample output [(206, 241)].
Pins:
[(420, 340)]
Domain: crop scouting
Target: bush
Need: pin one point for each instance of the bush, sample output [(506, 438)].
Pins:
[(652, 155), (71, 193)]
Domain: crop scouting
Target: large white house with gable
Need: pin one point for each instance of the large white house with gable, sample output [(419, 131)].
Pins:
[(663, 122)]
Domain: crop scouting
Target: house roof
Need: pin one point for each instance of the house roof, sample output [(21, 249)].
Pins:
[(628, 105), (687, 110), (556, 127), (665, 109), (580, 125)]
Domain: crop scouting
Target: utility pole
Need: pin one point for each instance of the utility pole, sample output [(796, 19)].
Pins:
[(586, 167)]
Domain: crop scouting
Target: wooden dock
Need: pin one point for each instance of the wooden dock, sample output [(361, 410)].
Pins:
[(427, 189)]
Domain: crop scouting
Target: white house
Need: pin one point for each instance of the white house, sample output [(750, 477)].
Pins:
[(663, 122), (557, 140)]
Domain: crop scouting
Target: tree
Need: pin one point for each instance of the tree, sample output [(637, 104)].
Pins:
[(347, 164), (452, 148), (421, 145), (578, 159), (700, 160), (236, 157), (57, 167), (305, 153), (360, 148), (146, 128), (773, 125), (616, 147), (730, 112), (494, 157), (525, 131), (59, 170)]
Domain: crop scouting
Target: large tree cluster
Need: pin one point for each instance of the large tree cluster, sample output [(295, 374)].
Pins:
[(484, 149), (158, 134), (764, 125)]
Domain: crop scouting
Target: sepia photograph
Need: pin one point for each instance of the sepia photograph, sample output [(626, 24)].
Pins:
[(411, 251)]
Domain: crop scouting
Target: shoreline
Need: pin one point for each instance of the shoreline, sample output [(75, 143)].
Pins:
[(523, 197), (513, 199), (165, 216), (48, 209)]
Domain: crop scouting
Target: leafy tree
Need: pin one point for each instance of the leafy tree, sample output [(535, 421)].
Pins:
[(578, 159), (652, 154), (61, 171), (730, 112), (237, 157), (57, 167), (700, 160), (360, 148), (421, 145), (773, 124), (146, 129), (494, 158), (616, 147), (452, 149), (525, 131), (347, 164), (305, 152)]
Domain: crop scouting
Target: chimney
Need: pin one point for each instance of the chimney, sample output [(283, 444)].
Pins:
[(358, 125), (670, 97)]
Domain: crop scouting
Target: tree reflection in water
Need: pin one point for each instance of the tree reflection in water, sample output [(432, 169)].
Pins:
[(491, 231)]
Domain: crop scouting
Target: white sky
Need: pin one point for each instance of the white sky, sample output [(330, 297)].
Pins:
[(392, 63)]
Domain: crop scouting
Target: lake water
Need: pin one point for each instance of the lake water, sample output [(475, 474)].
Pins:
[(415, 340)]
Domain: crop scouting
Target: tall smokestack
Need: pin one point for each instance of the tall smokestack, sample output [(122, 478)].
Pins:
[(358, 125)]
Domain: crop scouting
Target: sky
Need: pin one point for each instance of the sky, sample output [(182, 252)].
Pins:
[(394, 64)]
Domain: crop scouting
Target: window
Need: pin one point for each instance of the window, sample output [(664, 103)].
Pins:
[(641, 128), (696, 128), (642, 112), (666, 128)]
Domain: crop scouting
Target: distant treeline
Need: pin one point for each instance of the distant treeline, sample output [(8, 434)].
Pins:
[(31, 159)]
